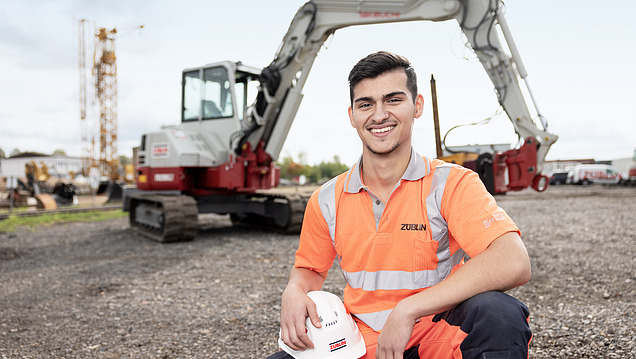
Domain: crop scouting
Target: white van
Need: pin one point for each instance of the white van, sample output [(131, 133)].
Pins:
[(586, 174)]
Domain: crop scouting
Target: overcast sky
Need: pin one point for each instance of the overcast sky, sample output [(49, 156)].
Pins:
[(579, 56)]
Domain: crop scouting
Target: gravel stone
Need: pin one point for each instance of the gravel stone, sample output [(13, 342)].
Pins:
[(100, 290)]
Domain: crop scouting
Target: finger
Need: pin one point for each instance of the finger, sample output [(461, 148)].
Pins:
[(382, 353), (285, 336), (303, 338), (395, 355), (313, 315), (290, 337)]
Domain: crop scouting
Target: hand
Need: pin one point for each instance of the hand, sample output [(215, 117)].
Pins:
[(296, 306), (395, 335)]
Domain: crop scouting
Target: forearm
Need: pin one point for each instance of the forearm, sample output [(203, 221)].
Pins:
[(305, 279), (502, 266)]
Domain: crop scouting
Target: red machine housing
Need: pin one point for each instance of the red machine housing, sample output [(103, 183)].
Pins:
[(519, 167), (246, 173)]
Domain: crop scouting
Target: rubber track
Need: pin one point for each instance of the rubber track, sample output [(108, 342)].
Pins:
[(297, 204), (180, 220), (190, 223)]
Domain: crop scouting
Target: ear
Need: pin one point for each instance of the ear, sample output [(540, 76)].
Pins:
[(350, 111), (419, 106)]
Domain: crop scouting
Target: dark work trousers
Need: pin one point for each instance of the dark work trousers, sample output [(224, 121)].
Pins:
[(496, 324)]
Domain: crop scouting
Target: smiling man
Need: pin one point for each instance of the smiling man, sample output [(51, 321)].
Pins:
[(424, 248)]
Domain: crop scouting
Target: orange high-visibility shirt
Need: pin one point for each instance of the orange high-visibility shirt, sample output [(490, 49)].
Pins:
[(437, 216)]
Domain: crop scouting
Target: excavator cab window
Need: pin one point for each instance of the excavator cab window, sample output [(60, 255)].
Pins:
[(246, 90), (207, 94)]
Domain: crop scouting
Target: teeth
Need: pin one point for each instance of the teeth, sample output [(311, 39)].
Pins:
[(383, 129)]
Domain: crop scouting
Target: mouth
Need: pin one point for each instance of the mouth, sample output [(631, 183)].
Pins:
[(382, 129)]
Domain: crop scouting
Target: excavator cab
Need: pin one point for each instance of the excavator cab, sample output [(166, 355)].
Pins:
[(206, 94), (218, 91), (215, 99)]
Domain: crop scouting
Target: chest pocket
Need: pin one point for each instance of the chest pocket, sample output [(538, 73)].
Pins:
[(430, 246), (425, 253)]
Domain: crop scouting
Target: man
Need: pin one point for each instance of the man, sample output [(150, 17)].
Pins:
[(424, 249)]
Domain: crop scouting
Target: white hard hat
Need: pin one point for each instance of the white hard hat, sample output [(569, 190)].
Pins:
[(339, 336)]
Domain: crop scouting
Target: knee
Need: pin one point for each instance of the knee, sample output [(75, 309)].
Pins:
[(497, 303), (488, 310), (496, 324), (495, 308)]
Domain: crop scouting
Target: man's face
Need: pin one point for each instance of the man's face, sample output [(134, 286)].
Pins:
[(383, 113)]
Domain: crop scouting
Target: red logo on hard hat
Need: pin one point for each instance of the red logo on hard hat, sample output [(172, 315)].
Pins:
[(338, 344)]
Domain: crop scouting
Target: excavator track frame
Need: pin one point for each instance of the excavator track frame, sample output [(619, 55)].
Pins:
[(174, 217), (164, 218)]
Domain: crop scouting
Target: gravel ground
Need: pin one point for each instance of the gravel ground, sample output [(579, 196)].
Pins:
[(99, 290)]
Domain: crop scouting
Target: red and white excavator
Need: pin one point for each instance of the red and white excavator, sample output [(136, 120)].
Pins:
[(222, 155)]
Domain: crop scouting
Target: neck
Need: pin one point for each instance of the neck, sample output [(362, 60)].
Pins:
[(382, 172)]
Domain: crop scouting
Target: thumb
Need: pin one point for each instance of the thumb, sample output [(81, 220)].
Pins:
[(313, 315)]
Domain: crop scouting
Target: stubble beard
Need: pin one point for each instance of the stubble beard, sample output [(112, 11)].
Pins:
[(383, 153)]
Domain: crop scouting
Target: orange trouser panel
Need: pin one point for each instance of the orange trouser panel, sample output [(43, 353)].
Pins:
[(435, 339)]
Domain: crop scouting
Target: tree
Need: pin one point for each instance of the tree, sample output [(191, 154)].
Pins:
[(60, 152), (332, 169), (14, 152), (2, 155), (124, 160), (315, 174), (289, 168)]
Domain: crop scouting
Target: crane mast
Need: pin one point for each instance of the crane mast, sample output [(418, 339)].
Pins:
[(98, 135), (105, 73), (86, 129)]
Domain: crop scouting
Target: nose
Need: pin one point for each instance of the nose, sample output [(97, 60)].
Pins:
[(380, 113)]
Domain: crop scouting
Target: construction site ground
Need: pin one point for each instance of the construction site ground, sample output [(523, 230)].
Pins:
[(100, 290)]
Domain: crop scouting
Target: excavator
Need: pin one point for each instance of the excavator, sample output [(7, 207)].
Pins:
[(221, 157)]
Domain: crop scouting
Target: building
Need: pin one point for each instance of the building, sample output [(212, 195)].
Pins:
[(624, 164), (58, 166)]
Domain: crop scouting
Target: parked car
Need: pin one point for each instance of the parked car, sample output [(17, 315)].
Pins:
[(559, 177), (586, 174)]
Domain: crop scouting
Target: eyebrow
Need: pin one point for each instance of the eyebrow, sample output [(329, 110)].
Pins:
[(370, 99)]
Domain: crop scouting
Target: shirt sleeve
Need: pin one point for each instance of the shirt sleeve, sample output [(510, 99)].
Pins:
[(473, 216), (315, 249)]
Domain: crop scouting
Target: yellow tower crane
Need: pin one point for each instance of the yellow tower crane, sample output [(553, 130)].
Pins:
[(105, 75), (101, 131)]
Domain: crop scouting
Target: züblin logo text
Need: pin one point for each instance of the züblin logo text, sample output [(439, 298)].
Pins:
[(413, 227)]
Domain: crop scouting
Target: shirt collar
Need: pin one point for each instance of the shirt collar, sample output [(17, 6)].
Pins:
[(418, 167)]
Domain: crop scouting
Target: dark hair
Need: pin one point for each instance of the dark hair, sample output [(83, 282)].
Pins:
[(380, 63)]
